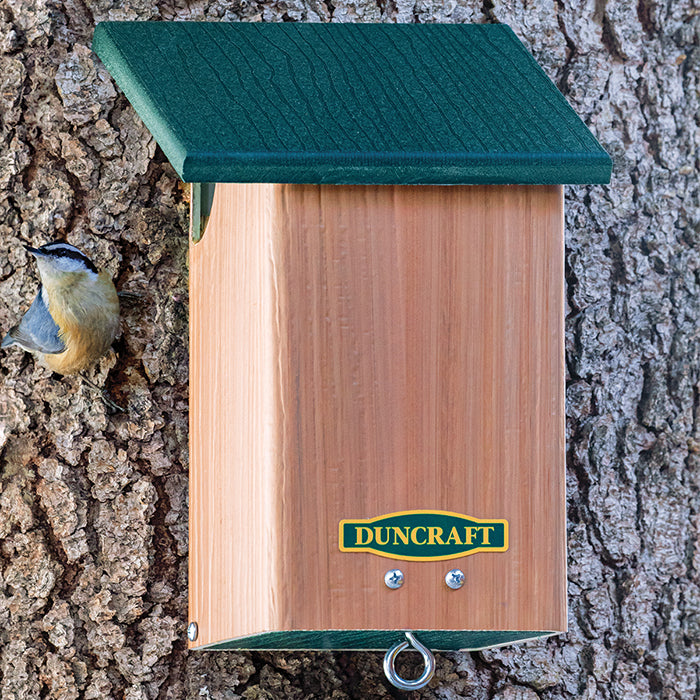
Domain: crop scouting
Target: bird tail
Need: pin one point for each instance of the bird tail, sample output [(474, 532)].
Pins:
[(7, 341)]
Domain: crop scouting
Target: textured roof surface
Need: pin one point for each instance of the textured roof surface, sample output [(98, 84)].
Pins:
[(349, 103)]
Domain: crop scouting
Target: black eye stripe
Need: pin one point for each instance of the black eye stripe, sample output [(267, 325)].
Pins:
[(59, 251)]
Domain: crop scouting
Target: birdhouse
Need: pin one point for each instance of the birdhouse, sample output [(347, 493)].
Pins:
[(376, 326)]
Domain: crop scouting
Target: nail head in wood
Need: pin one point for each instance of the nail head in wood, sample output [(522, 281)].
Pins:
[(394, 578), (192, 631), (454, 579)]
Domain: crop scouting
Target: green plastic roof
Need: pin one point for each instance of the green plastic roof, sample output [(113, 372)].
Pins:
[(349, 103)]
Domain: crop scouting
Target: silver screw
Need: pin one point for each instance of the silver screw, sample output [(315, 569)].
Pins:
[(192, 631), (454, 579), (393, 578)]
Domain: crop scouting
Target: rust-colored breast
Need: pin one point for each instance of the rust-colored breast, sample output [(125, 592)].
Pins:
[(88, 315)]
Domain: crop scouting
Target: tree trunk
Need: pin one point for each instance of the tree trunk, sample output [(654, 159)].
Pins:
[(93, 504)]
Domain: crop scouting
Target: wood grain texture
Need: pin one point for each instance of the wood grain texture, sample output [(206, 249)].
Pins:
[(234, 426), (357, 351), (345, 103)]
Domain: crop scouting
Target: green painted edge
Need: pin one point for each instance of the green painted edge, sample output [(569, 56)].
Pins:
[(400, 169), (137, 94), (377, 640)]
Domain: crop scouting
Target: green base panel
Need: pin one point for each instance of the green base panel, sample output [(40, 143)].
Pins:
[(378, 640)]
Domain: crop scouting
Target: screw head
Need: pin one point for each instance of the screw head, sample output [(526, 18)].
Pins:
[(192, 631), (454, 579), (394, 578)]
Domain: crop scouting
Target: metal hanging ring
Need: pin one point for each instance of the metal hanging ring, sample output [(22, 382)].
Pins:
[(428, 660)]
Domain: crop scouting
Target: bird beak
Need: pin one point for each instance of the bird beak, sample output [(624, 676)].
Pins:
[(33, 251)]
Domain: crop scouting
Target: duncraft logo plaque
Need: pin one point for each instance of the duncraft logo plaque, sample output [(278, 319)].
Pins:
[(423, 535)]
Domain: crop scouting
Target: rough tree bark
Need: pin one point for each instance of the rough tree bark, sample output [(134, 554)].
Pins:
[(93, 506)]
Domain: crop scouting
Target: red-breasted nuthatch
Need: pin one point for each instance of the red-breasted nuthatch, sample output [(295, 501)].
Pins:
[(75, 315)]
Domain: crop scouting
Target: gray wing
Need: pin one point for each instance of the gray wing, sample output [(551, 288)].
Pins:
[(37, 331)]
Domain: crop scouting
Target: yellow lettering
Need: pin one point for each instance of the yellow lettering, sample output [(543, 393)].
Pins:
[(454, 537), (469, 535), (378, 535), (382, 535), (401, 534), (359, 541), (414, 535), (485, 529), (435, 535)]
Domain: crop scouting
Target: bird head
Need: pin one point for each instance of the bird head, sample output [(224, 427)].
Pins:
[(61, 263)]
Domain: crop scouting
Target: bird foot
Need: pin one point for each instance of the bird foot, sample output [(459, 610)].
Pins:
[(106, 399)]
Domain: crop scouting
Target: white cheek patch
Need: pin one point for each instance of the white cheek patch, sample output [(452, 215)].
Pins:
[(68, 265), (53, 266)]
